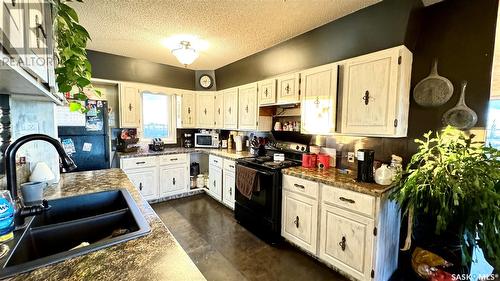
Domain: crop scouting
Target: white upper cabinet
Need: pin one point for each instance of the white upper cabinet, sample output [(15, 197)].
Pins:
[(219, 110), (36, 43), (130, 110), (267, 91), (319, 98), (13, 26), (288, 89), (375, 93), (230, 108), (248, 107), (205, 110), (187, 108)]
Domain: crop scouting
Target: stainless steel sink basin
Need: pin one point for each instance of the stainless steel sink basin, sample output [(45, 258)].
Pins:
[(101, 219)]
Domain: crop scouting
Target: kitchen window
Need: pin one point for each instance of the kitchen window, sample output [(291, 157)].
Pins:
[(158, 115), (493, 126)]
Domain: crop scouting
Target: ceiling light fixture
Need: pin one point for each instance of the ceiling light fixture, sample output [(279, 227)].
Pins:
[(185, 54)]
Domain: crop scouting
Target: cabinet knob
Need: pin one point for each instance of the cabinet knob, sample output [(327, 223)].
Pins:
[(218, 110), (343, 243), (287, 89), (229, 110), (140, 186), (265, 92), (205, 111), (296, 221), (214, 184), (366, 97), (230, 191), (246, 108), (189, 110), (13, 3), (130, 107), (173, 181)]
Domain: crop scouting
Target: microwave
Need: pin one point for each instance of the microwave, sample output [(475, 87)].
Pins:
[(206, 140)]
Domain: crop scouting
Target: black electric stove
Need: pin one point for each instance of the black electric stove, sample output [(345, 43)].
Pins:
[(261, 214)]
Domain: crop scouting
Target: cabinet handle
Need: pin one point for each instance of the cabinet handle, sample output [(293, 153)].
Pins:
[(214, 184), (366, 97), (347, 200), (246, 108), (140, 186), (218, 110), (173, 181), (140, 163), (296, 221), (205, 111), (189, 110), (343, 243), (287, 88), (316, 102), (130, 107), (174, 159), (229, 110), (231, 166), (265, 92), (299, 186), (189, 119), (13, 3), (230, 191), (40, 28)]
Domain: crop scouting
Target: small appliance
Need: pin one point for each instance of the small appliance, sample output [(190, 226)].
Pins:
[(156, 145), (238, 140), (365, 165), (206, 140), (188, 140), (323, 161), (309, 160)]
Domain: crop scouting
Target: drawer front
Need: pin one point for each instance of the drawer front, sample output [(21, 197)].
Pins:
[(173, 159), (216, 161), (301, 186), (229, 165), (138, 162), (300, 220), (350, 200)]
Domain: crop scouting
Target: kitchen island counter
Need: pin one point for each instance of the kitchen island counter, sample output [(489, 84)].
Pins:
[(155, 256)]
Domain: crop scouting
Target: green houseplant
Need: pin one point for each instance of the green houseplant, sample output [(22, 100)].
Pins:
[(73, 69), (455, 181)]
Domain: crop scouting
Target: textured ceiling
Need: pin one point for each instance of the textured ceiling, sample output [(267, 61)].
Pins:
[(234, 29)]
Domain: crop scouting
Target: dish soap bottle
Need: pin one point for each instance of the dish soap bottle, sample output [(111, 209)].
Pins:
[(7, 212)]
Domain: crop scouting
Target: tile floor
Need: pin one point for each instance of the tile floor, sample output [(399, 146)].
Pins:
[(224, 250)]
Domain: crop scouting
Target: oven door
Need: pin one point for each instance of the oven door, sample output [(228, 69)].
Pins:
[(262, 203)]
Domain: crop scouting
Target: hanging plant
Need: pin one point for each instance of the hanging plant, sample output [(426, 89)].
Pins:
[(73, 69)]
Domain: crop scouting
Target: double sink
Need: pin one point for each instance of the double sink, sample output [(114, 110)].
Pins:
[(74, 226)]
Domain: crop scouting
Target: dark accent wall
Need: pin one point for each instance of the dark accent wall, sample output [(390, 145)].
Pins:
[(380, 26), (461, 34), (120, 68)]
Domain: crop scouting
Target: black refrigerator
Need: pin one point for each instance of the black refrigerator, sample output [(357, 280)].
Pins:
[(88, 144)]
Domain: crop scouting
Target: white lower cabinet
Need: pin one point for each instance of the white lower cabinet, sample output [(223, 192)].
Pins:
[(173, 180), (228, 183), (157, 177), (355, 233), (299, 223), (346, 241), (145, 179), (214, 187)]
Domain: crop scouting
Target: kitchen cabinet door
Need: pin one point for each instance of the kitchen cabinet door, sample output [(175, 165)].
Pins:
[(173, 180), (231, 108), (130, 109), (13, 27), (146, 181), (288, 89), (267, 91), (219, 110), (346, 241), (205, 110), (215, 182), (248, 107), (188, 106), (319, 99), (299, 223), (375, 93), (228, 183), (36, 40)]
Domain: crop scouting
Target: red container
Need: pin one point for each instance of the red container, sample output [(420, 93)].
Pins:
[(309, 160), (323, 161)]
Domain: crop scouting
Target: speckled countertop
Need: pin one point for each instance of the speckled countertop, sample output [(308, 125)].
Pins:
[(335, 178), (224, 153), (156, 256)]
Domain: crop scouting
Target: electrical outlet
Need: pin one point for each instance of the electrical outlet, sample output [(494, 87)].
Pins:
[(350, 157)]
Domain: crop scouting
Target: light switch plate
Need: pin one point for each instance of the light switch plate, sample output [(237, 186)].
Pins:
[(350, 157)]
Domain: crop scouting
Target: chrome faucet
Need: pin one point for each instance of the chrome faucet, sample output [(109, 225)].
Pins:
[(10, 169)]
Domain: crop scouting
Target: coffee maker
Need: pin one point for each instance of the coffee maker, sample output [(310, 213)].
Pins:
[(365, 165), (187, 140)]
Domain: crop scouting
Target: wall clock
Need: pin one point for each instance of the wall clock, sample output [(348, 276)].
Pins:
[(206, 81)]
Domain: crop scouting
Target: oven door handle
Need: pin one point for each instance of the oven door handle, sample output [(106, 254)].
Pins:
[(258, 172)]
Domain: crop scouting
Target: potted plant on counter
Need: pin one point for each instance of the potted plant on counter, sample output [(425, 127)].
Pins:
[(451, 193)]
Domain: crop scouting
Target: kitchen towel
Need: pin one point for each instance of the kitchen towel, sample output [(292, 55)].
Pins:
[(247, 181)]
